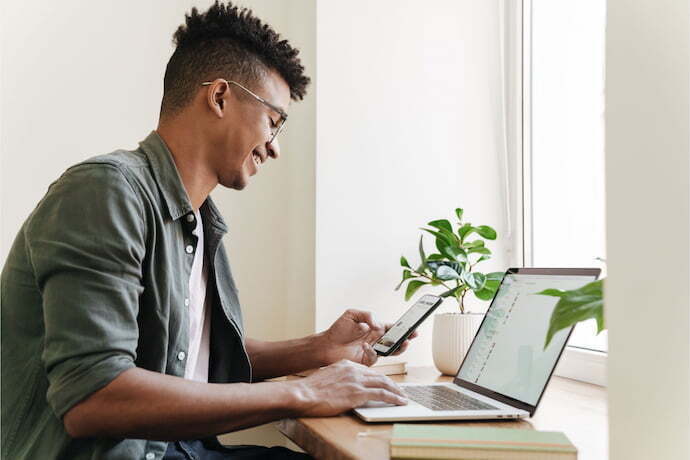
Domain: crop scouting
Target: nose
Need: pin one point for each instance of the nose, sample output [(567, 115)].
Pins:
[(273, 149)]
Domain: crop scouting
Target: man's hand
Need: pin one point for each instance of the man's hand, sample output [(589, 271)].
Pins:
[(343, 386), (351, 337)]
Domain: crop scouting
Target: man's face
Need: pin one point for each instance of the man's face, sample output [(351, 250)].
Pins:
[(240, 136)]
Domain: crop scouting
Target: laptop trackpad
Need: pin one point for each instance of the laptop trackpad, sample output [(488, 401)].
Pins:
[(376, 404)]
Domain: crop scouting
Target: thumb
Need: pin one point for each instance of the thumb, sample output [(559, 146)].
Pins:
[(363, 328)]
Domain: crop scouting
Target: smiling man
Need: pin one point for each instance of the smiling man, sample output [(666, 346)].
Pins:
[(122, 331)]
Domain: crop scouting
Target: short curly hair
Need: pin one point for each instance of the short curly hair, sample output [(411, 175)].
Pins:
[(227, 42)]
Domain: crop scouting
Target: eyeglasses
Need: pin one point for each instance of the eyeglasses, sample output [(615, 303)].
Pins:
[(283, 116)]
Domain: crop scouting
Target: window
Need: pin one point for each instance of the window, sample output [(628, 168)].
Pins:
[(564, 199)]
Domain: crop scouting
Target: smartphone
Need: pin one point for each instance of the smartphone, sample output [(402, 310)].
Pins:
[(396, 335)]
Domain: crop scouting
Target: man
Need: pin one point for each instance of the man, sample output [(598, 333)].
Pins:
[(121, 326)]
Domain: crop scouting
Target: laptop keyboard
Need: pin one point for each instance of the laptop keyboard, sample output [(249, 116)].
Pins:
[(436, 397)]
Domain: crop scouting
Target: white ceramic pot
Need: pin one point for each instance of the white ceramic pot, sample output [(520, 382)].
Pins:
[(452, 336)]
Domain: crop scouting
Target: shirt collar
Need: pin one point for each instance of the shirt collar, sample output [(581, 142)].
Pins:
[(170, 184)]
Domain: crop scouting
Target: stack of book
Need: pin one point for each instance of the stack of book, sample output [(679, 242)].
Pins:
[(454, 442)]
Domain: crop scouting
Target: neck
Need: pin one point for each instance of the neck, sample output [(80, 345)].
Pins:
[(190, 157)]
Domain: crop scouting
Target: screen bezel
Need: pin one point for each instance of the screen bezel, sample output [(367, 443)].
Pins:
[(396, 345), (593, 272)]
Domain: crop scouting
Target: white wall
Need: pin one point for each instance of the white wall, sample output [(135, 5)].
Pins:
[(84, 78), (271, 236), (648, 220), (409, 128)]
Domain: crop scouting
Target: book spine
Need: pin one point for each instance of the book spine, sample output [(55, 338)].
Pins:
[(419, 453)]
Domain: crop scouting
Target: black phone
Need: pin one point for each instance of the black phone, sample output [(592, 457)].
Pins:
[(396, 335)]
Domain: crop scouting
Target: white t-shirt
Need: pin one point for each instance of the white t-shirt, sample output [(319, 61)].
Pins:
[(199, 312)]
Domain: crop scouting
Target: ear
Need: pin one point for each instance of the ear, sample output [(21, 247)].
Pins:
[(217, 97)]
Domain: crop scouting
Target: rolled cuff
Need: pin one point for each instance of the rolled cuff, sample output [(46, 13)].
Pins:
[(70, 384)]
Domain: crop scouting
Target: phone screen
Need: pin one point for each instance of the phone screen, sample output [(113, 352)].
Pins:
[(407, 323)]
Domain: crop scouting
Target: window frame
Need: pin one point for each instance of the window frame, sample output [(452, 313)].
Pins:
[(576, 363)]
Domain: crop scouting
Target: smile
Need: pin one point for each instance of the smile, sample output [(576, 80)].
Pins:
[(257, 159)]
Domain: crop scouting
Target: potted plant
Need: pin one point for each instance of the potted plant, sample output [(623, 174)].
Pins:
[(575, 306), (452, 269)]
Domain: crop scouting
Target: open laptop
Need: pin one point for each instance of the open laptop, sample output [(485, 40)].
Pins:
[(506, 369)]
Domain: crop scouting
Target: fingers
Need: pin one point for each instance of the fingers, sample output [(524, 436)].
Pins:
[(369, 356), (369, 329), (385, 396), (381, 381), (361, 316)]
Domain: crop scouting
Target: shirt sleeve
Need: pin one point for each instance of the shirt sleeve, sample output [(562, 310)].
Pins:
[(86, 242)]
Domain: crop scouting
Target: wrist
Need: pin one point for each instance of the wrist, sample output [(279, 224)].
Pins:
[(298, 396), (322, 349)]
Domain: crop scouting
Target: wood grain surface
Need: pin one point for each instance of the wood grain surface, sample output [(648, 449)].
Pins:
[(575, 408)]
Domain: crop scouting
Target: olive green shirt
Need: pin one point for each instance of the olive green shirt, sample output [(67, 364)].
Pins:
[(96, 283)]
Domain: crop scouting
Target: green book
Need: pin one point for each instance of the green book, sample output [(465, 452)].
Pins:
[(457, 442)]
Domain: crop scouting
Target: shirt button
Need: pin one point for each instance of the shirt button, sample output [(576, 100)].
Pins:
[(190, 218), (186, 302), (150, 456), (181, 355), (189, 249)]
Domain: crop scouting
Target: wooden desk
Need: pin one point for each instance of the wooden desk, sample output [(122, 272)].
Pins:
[(575, 408)]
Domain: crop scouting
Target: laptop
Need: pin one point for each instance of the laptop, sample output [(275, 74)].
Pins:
[(506, 369)]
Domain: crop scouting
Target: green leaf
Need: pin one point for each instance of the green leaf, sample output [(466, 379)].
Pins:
[(459, 212), (407, 274), (465, 230), (413, 287), (446, 273), (479, 250), (434, 265), (441, 224), (454, 253), (494, 276), (474, 244), (403, 262), (553, 292), (492, 285), (421, 254), (483, 258), (441, 239), (450, 236), (439, 235), (475, 281), (436, 257), (486, 231), (484, 294), (575, 306), (480, 278)]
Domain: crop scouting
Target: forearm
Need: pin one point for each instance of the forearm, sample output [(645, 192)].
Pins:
[(274, 359), (149, 405)]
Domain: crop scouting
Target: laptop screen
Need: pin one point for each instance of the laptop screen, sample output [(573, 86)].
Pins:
[(507, 355)]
